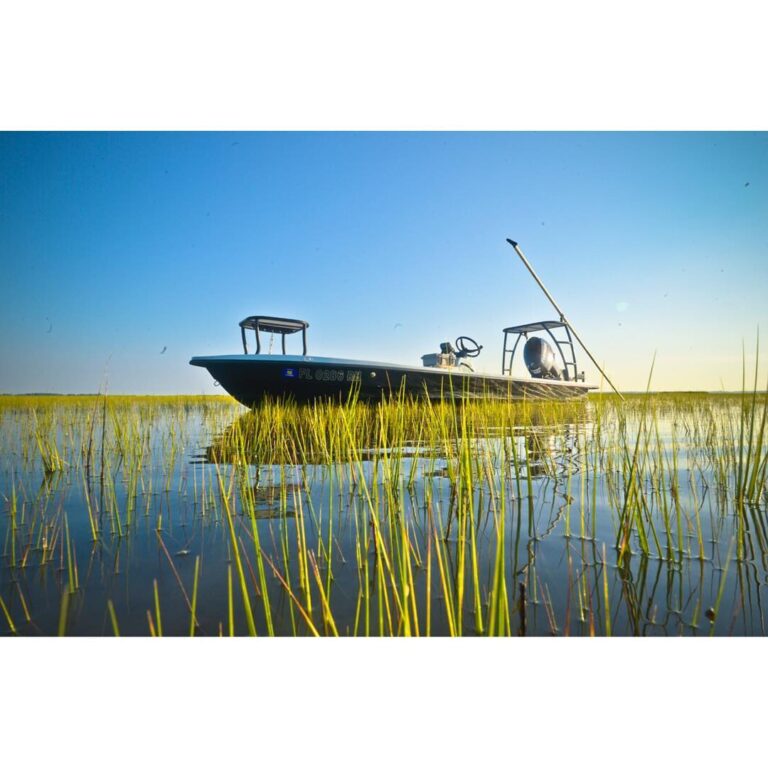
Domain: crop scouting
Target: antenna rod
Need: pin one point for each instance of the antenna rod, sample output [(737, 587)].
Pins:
[(560, 312)]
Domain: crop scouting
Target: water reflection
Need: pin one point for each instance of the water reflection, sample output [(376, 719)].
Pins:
[(542, 449)]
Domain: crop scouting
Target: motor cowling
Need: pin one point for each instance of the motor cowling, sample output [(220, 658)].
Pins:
[(541, 360)]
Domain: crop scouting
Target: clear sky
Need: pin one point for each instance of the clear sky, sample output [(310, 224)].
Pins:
[(117, 246)]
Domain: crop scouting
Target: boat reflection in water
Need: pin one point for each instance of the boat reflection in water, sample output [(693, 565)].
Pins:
[(542, 447)]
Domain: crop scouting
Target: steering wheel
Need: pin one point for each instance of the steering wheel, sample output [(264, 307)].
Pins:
[(467, 347)]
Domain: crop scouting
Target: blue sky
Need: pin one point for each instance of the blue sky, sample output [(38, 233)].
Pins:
[(115, 246)]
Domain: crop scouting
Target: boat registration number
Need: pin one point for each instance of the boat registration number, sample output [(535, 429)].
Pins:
[(321, 374)]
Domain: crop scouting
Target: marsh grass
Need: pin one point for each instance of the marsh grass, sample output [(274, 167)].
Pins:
[(402, 518)]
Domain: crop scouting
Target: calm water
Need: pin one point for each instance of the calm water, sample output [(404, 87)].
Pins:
[(550, 515)]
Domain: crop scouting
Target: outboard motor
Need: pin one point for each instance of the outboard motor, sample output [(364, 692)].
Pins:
[(541, 360)]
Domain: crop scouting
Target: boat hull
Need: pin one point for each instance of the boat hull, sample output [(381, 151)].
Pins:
[(250, 379)]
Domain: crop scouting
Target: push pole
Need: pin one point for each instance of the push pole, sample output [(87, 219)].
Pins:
[(562, 315)]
